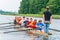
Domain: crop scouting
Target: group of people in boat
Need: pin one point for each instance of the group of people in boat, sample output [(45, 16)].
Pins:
[(30, 23)]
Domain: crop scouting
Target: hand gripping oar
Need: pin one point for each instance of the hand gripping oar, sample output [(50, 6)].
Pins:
[(6, 23)]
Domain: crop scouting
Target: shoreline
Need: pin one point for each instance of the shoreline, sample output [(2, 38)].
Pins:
[(34, 15)]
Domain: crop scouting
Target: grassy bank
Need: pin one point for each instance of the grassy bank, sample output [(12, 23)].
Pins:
[(37, 15)]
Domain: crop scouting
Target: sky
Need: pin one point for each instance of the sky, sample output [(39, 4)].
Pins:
[(10, 5)]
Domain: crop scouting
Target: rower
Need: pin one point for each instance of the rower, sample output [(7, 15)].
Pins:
[(23, 19), (40, 26), (39, 29), (25, 22), (31, 24), (17, 22)]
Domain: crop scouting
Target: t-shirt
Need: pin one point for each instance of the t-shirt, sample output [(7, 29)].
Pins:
[(47, 15), (25, 23), (22, 20), (39, 26)]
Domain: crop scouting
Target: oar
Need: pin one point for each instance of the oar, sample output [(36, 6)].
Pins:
[(54, 30), (9, 27), (29, 29), (12, 31), (6, 26), (21, 29), (6, 23)]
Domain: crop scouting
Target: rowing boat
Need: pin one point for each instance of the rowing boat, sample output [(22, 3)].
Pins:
[(29, 31), (32, 31)]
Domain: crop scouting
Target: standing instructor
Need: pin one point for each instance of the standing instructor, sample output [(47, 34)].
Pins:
[(47, 17)]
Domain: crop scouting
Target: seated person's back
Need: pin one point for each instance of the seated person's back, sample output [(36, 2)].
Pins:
[(39, 25)]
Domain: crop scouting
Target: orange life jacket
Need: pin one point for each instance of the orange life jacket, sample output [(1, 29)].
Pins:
[(31, 24), (18, 20)]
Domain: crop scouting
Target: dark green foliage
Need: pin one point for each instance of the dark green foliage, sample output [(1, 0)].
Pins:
[(36, 6), (24, 8), (32, 6), (55, 7)]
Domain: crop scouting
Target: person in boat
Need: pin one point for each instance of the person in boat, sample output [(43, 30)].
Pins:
[(25, 22), (23, 19), (40, 26), (34, 23), (39, 30), (31, 23), (17, 21)]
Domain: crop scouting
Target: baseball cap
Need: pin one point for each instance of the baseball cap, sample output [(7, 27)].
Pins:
[(47, 7)]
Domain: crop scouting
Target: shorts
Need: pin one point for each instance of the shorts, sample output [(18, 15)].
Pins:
[(39, 29), (47, 21)]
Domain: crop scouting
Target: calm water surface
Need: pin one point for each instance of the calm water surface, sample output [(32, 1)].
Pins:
[(23, 35)]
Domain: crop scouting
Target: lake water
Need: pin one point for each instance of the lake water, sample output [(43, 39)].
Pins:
[(23, 35)]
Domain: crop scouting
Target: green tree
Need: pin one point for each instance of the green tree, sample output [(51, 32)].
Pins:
[(32, 6), (55, 6), (24, 7)]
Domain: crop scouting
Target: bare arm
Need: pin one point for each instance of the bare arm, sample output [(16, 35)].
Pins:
[(43, 18), (50, 19)]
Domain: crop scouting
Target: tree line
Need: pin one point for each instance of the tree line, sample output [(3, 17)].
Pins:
[(36, 6), (6, 12)]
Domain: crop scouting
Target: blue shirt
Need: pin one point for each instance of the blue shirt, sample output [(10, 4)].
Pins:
[(39, 26), (25, 22)]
